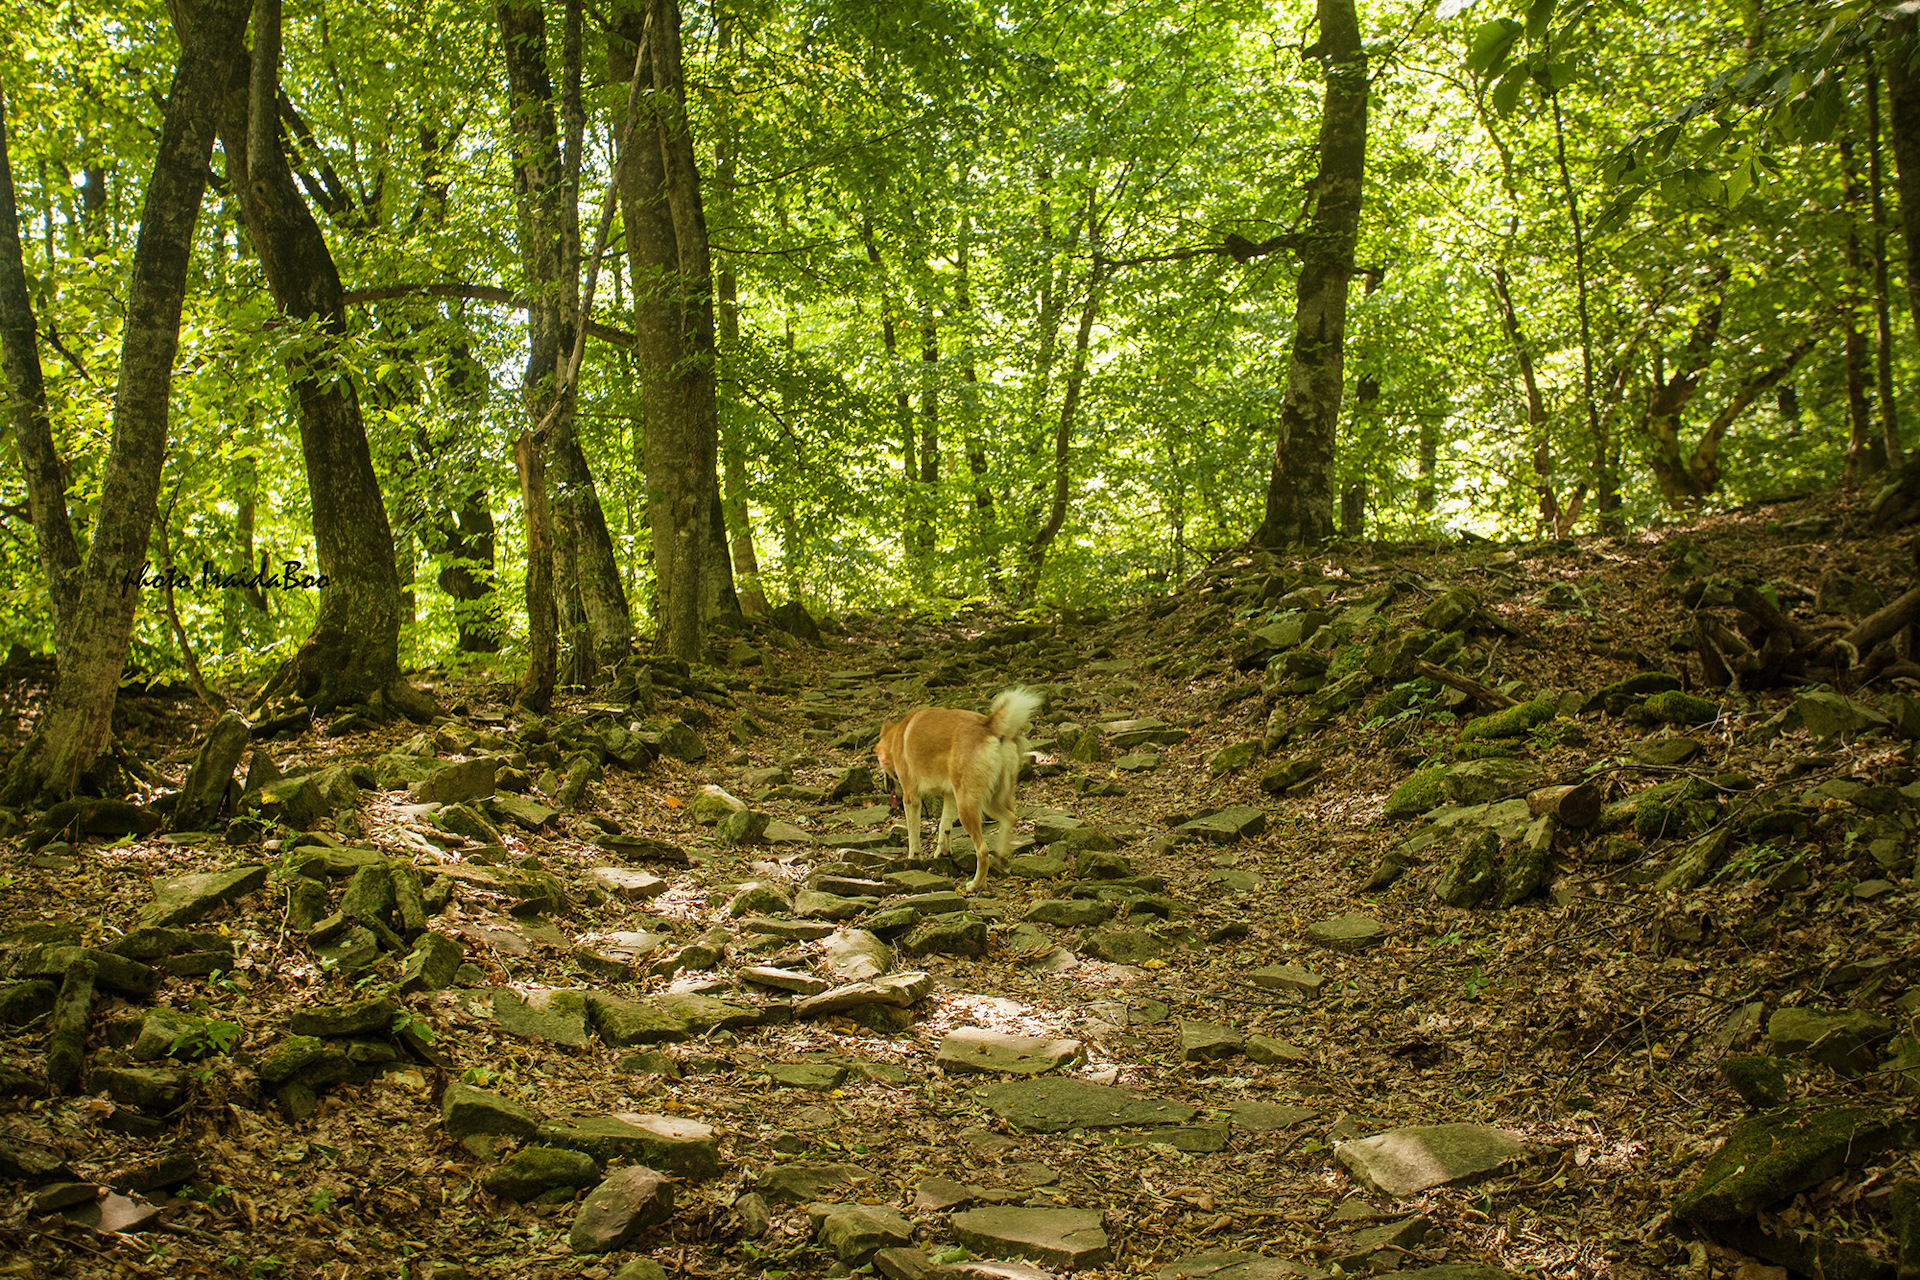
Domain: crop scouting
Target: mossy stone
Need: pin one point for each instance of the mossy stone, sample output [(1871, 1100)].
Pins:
[(1675, 707), (1509, 722), (1472, 875), (1424, 790), (1762, 1080), (1234, 758), (536, 1171)]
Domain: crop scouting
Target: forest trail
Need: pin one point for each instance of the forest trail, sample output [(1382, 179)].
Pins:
[(1251, 918)]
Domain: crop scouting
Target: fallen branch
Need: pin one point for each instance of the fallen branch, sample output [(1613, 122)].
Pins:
[(1485, 693)]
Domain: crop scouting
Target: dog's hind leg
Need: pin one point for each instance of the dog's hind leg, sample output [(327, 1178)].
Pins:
[(947, 810), (910, 809), (982, 859)]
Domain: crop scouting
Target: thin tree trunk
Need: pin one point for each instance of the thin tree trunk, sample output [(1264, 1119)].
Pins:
[(543, 659), (353, 652), (739, 520), (46, 484), (902, 401), (1537, 425), (926, 503), (986, 533), (1903, 111), (1882, 312), (75, 726), (1866, 447), (1063, 439), (1299, 507)]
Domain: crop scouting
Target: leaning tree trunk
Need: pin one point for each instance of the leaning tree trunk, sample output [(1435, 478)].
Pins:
[(1300, 487), (20, 338), (745, 559), (353, 653), (673, 325), (76, 724)]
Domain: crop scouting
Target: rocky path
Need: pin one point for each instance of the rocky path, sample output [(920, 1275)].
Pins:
[(650, 987)]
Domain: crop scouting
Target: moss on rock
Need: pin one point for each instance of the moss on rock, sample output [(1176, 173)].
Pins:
[(1509, 722)]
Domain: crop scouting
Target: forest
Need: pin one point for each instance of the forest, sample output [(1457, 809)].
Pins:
[(954, 303), (483, 487)]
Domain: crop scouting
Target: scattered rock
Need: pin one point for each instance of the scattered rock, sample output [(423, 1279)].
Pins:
[(1054, 1104), (977, 1049), (616, 1212), (1404, 1162), (1070, 1238)]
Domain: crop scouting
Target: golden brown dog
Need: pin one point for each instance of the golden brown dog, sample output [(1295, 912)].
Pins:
[(971, 761)]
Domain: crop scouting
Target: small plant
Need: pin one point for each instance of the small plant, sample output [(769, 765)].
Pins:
[(205, 1040), (409, 1023), (1475, 984), (480, 1077), (320, 1202)]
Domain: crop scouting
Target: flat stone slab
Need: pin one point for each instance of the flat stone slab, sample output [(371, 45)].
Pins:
[(1207, 1041), (1236, 822), (664, 1019), (1071, 1238), (1351, 932), (806, 984), (977, 1049), (187, 898), (1286, 977), (556, 1014), (793, 930), (1198, 1139), (1054, 1104), (620, 882), (453, 783), (1231, 1266), (897, 989), (855, 1232), (1266, 1117), (802, 1181), (820, 1076), (1405, 1162), (672, 1144)]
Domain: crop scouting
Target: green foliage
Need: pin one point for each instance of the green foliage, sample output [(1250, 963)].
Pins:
[(973, 179)]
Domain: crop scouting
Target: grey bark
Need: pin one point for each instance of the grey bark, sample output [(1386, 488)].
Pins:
[(75, 726), (32, 429), (1300, 496)]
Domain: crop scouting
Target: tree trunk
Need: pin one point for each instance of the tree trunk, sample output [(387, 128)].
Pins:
[(1866, 447), (1670, 395), (536, 687), (46, 485), (986, 532), (1903, 110), (902, 401), (1537, 426), (584, 577), (1882, 312), (673, 323), (75, 725), (739, 520), (1299, 506), (353, 652), (466, 529), (1063, 439)]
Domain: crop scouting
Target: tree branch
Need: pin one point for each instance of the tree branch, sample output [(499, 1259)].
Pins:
[(493, 293)]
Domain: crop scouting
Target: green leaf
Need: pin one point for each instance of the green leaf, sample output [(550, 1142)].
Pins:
[(1507, 92), (1739, 182), (1539, 16), (1492, 44)]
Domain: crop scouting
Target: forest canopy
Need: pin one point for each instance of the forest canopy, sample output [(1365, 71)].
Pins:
[(720, 306)]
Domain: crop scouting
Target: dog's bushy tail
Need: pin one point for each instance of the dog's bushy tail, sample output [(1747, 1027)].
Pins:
[(1012, 712)]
